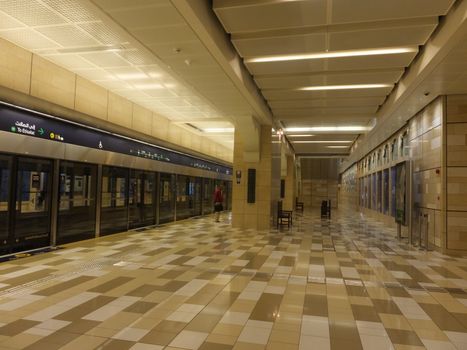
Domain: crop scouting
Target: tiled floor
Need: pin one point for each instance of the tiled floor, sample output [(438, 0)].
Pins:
[(345, 284)]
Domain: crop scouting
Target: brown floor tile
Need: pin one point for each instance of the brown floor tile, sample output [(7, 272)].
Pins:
[(386, 307), (203, 323), (267, 307), (17, 327), (109, 285), (158, 337), (443, 319), (365, 313), (404, 337), (214, 346), (140, 307), (116, 344), (78, 312), (345, 344), (64, 286), (315, 305)]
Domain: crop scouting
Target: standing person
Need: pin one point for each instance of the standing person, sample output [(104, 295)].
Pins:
[(218, 200)]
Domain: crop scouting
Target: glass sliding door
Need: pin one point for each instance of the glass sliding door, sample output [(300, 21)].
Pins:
[(166, 198), (378, 192), (77, 202), (386, 191), (393, 191), (197, 195), (114, 208), (5, 193), (184, 197), (142, 198), (208, 191), (33, 201)]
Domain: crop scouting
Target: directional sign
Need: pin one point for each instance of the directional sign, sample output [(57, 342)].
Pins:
[(28, 123)]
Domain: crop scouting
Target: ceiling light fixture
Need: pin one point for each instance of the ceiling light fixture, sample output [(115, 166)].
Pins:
[(148, 86), (337, 146), (219, 130), (304, 135), (131, 76), (334, 54), (344, 87), (327, 129), (323, 141)]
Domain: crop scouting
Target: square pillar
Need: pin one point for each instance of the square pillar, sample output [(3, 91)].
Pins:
[(252, 215)]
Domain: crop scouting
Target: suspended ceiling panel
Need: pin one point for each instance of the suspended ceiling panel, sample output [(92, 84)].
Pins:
[(142, 50), (263, 28), (271, 81)]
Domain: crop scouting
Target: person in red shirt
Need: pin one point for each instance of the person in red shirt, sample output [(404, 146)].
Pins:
[(218, 200)]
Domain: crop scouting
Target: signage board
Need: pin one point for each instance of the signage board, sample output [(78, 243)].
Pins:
[(24, 122)]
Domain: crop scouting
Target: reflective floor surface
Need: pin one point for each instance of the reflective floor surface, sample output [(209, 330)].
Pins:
[(340, 284)]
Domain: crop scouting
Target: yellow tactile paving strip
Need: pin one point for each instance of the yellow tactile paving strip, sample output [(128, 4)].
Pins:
[(344, 284)]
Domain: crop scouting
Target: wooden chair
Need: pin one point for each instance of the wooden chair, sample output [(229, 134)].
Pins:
[(284, 217), (298, 205)]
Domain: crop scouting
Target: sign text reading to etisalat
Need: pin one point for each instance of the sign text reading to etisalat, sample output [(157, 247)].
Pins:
[(24, 128)]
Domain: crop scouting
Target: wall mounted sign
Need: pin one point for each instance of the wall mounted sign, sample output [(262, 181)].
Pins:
[(29, 123)]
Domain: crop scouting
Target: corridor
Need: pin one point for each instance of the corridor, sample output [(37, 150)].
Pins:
[(340, 284)]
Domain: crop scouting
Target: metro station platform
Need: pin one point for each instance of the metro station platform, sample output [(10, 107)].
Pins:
[(344, 283)]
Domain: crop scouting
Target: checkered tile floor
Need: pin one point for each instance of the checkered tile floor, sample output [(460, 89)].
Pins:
[(340, 284)]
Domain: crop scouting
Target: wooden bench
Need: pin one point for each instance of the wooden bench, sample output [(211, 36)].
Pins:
[(284, 217), (298, 205)]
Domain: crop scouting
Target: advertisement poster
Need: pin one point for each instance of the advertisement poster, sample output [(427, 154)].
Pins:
[(401, 192)]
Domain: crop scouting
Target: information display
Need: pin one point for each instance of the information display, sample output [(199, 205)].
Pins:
[(32, 124)]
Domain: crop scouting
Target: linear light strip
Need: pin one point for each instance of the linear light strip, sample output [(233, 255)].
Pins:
[(333, 54), (325, 141), (219, 130), (327, 128), (344, 87)]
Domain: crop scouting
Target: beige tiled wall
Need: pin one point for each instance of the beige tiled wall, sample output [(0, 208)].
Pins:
[(52, 83), (425, 142), (317, 190), (26, 73), (348, 190), (253, 215), (15, 67), (289, 199), (456, 169), (91, 99)]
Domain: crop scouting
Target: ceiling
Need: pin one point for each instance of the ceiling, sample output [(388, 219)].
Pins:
[(152, 53), (264, 29), (142, 50)]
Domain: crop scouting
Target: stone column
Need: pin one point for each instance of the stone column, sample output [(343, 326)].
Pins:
[(290, 193), (252, 215)]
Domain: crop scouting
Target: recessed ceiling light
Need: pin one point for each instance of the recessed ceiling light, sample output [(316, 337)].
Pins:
[(332, 54), (337, 146), (131, 76), (219, 130), (148, 86), (301, 135), (323, 141), (344, 87), (327, 128)]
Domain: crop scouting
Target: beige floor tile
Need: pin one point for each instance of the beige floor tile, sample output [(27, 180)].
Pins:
[(288, 337), (228, 329), (221, 339), (248, 346), (84, 342), (395, 321), (281, 346)]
